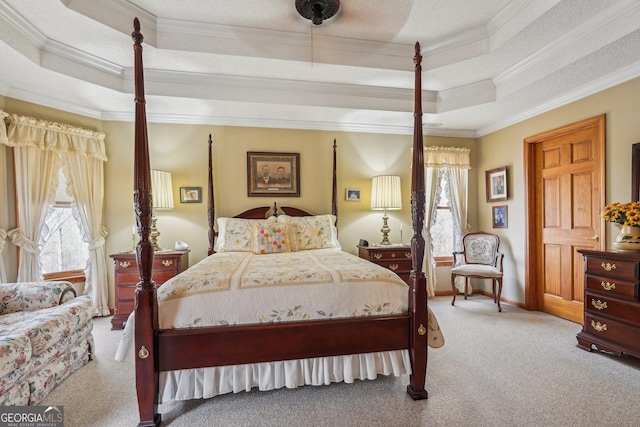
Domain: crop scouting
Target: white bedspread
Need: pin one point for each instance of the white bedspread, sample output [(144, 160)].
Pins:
[(240, 288)]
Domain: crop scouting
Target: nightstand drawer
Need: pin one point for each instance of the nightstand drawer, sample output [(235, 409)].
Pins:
[(390, 255)]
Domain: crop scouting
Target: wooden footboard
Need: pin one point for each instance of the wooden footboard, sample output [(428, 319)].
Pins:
[(163, 350)]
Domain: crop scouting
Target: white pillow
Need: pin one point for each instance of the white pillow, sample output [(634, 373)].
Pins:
[(236, 234), (313, 232)]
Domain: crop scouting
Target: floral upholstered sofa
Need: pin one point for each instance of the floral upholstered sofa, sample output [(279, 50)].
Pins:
[(45, 335)]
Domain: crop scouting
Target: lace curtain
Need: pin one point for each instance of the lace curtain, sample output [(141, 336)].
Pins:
[(40, 149), (455, 163), (3, 233)]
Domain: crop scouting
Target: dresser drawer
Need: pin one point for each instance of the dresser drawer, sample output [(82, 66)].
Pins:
[(620, 269), (612, 286), (600, 305), (612, 331), (398, 266)]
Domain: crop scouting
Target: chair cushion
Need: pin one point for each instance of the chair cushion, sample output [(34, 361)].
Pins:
[(477, 270)]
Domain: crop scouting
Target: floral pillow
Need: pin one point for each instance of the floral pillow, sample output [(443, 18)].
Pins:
[(312, 232), (271, 239), (236, 234)]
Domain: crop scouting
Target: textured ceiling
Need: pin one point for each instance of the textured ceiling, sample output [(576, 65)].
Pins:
[(487, 64)]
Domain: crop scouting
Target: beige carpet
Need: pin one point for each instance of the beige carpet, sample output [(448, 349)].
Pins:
[(515, 368)]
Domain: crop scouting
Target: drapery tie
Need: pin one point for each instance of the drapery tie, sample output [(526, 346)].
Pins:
[(99, 241), (19, 239)]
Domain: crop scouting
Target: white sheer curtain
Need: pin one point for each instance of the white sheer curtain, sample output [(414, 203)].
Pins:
[(40, 147), (455, 163), (3, 233), (86, 185)]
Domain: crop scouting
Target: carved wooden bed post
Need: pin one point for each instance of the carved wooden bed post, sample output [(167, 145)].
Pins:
[(211, 213), (334, 188), (418, 295), (146, 318)]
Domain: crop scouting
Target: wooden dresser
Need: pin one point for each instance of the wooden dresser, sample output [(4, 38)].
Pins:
[(611, 302), (394, 257), (126, 276)]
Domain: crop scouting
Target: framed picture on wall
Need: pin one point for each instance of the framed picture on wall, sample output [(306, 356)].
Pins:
[(496, 182), (352, 194), (499, 215), (273, 174), (190, 194)]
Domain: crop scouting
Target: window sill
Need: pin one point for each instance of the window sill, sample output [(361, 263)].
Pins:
[(73, 276)]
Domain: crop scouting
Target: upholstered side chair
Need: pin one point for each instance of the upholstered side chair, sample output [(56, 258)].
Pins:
[(479, 259)]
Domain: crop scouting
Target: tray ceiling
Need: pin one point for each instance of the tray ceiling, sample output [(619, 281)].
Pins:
[(486, 64)]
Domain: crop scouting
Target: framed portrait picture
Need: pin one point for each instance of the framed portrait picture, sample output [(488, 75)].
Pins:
[(499, 215), (352, 194), (273, 174), (496, 181), (190, 194)]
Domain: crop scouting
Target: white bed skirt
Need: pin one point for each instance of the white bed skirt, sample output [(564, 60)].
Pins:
[(209, 382)]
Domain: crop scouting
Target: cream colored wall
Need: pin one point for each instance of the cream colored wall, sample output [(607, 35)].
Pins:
[(181, 149), (505, 147)]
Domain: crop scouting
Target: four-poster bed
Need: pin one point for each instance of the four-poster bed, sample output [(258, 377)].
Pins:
[(172, 348)]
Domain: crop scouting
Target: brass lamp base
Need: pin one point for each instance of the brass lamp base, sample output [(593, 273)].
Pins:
[(154, 235), (385, 230)]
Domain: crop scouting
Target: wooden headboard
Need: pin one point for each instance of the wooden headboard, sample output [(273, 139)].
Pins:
[(262, 212)]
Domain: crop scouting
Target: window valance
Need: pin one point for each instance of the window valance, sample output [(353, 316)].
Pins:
[(25, 131), (3, 129), (447, 156)]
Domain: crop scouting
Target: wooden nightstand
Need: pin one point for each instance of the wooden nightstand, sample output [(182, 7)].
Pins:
[(126, 276), (396, 258)]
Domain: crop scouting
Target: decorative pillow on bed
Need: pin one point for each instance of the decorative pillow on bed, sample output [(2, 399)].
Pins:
[(312, 232), (236, 234), (271, 238)]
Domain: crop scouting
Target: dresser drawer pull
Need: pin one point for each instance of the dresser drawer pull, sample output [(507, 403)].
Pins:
[(377, 256), (600, 327), (599, 304), (608, 267), (393, 255), (608, 286), (407, 254), (167, 262), (125, 264), (393, 267)]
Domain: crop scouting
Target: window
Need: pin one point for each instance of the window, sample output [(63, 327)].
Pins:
[(442, 231), (63, 250)]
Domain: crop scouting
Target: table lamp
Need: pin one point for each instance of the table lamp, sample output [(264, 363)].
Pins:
[(385, 195), (162, 194)]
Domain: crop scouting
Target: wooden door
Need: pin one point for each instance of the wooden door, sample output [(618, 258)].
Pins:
[(565, 185)]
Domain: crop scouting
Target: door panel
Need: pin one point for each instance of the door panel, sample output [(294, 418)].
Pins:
[(565, 170)]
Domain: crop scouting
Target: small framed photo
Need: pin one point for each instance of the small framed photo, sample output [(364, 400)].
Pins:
[(499, 215), (190, 194), (273, 174), (352, 194), (496, 181)]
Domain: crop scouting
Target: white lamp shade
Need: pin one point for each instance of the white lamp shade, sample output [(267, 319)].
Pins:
[(162, 190), (385, 192)]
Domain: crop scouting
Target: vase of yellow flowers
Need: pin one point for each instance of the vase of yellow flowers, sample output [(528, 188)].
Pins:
[(625, 216)]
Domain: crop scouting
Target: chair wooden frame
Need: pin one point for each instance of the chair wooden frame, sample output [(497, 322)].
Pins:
[(497, 264)]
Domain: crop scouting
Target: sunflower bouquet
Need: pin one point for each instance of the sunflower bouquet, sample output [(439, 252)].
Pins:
[(623, 213)]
